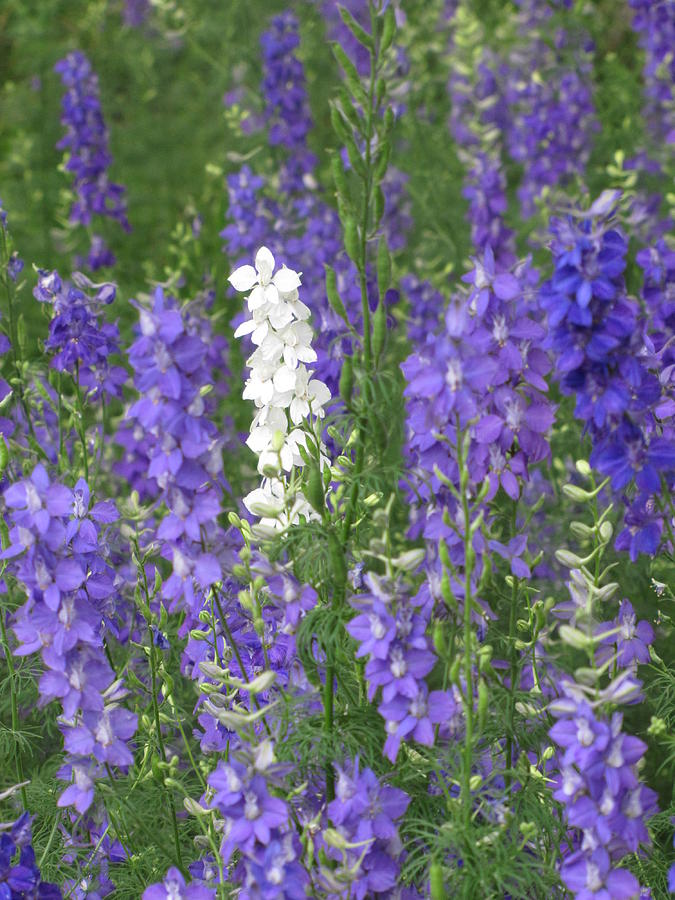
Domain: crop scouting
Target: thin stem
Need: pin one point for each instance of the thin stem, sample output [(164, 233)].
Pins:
[(80, 420), (468, 635), (15, 707), (158, 725), (513, 655)]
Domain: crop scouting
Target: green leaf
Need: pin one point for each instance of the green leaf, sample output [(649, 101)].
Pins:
[(4, 454), (357, 30), (351, 75), (388, 29), (334, 297), (352, 245), (383, 266)]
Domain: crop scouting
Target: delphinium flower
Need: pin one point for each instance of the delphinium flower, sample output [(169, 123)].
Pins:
[(486, 366), (630, 645), (654, 23), (281, 386), (288, 212), (552, 117), (475, 125), (390, 628), (287, 113), (596, 773), (79, 339), (426, 306), (257, 824), (19, 873), (173, 887), (172, 362), (600, 790), (606, 362), (367, 847), (57, 553), (88, 153)]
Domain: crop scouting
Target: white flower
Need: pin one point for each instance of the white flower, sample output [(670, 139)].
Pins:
[(310, 395), (266, 287), (281, 387)]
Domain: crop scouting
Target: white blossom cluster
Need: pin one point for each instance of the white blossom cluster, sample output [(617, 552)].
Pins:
[(280, 385)]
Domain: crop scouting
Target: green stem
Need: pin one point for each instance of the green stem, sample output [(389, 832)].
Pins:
[(158, 727), (15, 707), (468, 635), (80, 420), (513, 656)]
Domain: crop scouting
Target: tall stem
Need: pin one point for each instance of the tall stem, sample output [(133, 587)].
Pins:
[(158, 725), (468, 634)]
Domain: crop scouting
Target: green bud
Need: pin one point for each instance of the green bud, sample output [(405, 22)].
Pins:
[(606, 531), (475, 782), (339, 175), (436, 883), (314, 489), (454, 670), (573, 637), (446, 591), (568, 559), (388, 29), (198, 635), (379, 204), (444, 554), (483, 698), (440, 644), (379, 329), (4, 454), (333, 296), (383, 267), (580, 530), (352, 245), (234, 519), (583, 468), (579, 495)]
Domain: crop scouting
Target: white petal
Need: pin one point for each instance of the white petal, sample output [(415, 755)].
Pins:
[(243, 278), (306, 354), (280, 316), (299, 410), (264, 263), (260, 333), (287, 280), (284, 379), (271, 295), (245, 328), (300, 310), (259, 439), (290, 357), (319, 394), (256, 299)]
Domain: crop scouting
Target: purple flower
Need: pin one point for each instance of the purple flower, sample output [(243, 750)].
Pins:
[(174, 888)]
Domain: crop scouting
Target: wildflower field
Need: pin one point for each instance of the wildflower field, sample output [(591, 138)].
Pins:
[(337, 449)]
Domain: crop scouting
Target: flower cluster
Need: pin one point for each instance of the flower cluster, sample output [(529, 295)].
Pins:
[(178, 444), (58, 554), (622, 384), (391, 631), (86, 142), (287, 112), (603, 798), (368, 849), (551, 121), (257, 826), (280, 385), (19, 874), (655, 26), (82, 343)]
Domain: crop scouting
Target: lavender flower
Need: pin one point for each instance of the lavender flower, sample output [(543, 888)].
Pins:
[(86, 140)]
